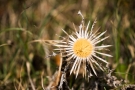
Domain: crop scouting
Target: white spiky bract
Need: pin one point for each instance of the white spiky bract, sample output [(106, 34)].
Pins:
[(83, 47)]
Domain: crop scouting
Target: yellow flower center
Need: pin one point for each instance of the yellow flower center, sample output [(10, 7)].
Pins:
[(82, 48)]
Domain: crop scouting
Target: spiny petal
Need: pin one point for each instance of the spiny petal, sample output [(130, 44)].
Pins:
[(103, 54), (103, 46), (76, 61), (99, 36), (101, 40), (92, 68), (100, 59), (78, 68)]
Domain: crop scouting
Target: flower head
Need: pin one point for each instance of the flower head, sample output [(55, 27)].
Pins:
[(82, 47)]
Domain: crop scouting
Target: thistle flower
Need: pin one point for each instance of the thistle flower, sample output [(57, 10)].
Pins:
[(82, 47)]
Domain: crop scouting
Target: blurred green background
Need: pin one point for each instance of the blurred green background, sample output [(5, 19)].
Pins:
[(22, 21)]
